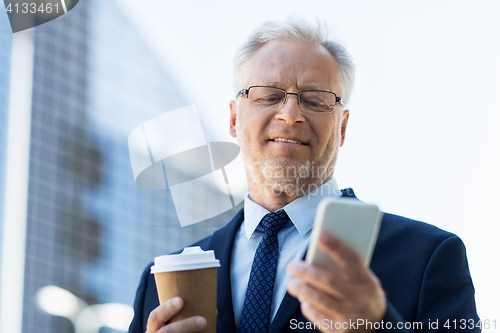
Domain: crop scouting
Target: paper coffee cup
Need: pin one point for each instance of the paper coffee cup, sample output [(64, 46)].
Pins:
[(191, 275)]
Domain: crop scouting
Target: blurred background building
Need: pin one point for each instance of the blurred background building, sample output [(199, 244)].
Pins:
[(5, 48), (90, 230)]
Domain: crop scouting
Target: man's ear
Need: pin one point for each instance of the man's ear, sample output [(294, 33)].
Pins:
[(232, 119), (345, 118)]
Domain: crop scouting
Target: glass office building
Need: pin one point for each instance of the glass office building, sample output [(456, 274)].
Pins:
[(90, 229), (5, 49)]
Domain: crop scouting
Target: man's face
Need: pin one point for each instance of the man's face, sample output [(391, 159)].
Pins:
[(294, 67)]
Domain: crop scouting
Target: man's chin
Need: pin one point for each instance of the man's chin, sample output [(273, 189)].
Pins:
[(294, 180), (287, 170), (292, 176)]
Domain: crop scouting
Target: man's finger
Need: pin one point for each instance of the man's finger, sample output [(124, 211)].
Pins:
[(319, 300), (159, 316), (333, 281), (312, 314), (188, 325)]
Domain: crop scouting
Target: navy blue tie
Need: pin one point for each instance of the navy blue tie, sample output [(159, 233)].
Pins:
[(257, 306)]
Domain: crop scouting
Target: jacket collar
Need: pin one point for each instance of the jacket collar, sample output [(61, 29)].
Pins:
[(222, 242)]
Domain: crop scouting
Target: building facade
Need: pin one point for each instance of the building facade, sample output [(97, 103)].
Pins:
[(90, 229)]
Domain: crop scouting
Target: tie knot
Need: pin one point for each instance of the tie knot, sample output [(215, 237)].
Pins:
[(275, 221)]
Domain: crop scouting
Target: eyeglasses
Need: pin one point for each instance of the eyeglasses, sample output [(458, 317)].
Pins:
[(271, 98)]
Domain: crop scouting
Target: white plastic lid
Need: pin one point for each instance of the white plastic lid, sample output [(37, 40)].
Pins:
[(190, 258)]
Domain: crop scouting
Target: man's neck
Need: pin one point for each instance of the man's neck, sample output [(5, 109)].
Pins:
[(273, 200)]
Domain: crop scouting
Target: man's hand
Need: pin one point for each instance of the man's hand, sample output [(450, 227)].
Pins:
[(158, 318), (346, 291)]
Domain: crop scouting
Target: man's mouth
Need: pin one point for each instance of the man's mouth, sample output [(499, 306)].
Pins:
[(287, 140)]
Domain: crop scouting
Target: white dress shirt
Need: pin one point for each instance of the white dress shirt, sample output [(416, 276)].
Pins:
[(293, 240)]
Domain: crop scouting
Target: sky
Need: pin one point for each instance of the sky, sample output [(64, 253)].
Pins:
[(422, 138)]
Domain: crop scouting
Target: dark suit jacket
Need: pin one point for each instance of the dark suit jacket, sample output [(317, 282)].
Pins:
[(423, 271)]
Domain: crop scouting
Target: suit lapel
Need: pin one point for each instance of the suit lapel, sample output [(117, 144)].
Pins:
[(287, 309), (222, 243), (290, 304)]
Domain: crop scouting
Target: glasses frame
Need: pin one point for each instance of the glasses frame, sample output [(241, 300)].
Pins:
[(337, 98)]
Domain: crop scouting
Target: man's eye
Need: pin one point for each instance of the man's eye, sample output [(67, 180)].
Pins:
[(268, 99), (314, 103)]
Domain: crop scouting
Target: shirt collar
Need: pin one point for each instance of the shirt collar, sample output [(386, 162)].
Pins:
[(301, 211)]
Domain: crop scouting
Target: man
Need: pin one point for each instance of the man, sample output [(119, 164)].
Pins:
[(290, 121)]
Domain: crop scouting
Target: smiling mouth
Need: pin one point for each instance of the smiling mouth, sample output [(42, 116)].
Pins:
[(287, 141)]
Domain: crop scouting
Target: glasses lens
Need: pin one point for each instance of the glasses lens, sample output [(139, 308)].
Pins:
[(317, 101), (266, 97)]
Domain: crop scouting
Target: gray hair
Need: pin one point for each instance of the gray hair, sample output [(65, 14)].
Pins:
[(296, 30)]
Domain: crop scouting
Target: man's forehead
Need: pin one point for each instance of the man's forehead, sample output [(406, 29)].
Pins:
[(302, 86), (287, 63)]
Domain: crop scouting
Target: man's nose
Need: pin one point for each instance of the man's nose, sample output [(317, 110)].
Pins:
[(290, 111)]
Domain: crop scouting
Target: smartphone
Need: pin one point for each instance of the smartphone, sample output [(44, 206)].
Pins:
[(356, 223)]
